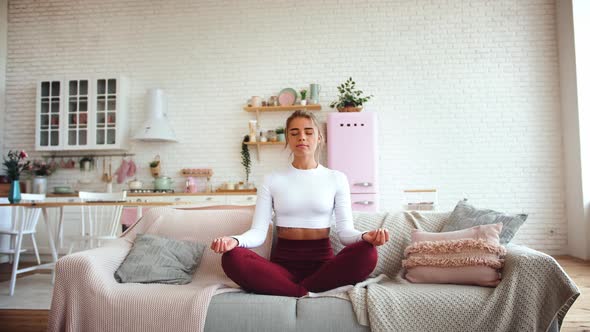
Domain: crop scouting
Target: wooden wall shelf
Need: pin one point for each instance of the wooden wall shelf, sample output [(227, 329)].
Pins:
[(265, 143), (259, 144), (313, 107), (290, 108)]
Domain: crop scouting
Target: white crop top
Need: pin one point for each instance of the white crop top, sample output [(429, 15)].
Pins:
[(302, 199)]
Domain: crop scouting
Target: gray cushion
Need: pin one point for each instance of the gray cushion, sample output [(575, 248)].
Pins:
[(155, 259), (247, 312), (327, 314), (465, 215)]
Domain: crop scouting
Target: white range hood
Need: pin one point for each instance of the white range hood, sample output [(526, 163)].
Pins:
[(156, 128)]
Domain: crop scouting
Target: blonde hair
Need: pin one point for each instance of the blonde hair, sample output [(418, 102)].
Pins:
[(314, 120)]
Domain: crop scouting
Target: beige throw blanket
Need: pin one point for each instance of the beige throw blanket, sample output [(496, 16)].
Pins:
[(534, 288), (87, 298)]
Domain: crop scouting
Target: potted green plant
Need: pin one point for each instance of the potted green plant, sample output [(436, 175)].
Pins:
[(155, 166), (350, 99), (246, 162), (303, 93), (86, 163), (280, 134)]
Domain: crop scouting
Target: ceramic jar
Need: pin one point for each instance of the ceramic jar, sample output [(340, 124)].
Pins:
[(40, 184)]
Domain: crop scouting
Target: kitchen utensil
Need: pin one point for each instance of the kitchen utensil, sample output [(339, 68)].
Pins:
[(252, 124), (273, 101), (163, 183), (256, 101), (314, 93), (191, 186), (71, 163), (135, 184), (287, 96), (105, 176), (110, 176)]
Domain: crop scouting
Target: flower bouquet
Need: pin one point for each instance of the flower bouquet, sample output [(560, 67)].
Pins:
[(15, 164), (43, 168)]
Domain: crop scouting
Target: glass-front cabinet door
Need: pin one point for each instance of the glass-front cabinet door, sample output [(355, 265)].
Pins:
[(77, 113), (48, 115), (106, 111)]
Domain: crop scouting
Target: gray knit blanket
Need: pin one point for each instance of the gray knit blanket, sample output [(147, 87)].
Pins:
[(534, 288)]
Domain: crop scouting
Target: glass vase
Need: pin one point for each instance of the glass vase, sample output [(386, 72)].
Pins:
[(14, 193)]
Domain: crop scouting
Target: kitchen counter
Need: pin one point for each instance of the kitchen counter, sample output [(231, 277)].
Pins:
[(216, 193), (64, 204)]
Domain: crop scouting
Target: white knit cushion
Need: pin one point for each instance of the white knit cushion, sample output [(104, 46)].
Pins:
[(199, 225)]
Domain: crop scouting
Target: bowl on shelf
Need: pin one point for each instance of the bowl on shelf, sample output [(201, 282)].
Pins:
[(63, 190)]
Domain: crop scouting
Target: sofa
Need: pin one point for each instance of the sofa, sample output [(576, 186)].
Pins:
[(87, 297)]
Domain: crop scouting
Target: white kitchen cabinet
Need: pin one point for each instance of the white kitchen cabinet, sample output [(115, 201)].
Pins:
[(241, 200), (5, 218), (203, 200), (82, 114), (199, 200)]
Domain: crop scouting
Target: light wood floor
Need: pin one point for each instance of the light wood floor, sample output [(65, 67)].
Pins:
[(577, 319)]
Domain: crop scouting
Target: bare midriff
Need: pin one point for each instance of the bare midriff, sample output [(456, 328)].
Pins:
[(294, 233)]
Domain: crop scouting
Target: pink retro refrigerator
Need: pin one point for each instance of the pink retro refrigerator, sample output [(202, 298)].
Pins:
[(352, 149)]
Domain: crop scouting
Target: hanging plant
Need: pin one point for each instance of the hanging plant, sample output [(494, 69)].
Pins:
[(246, 162)]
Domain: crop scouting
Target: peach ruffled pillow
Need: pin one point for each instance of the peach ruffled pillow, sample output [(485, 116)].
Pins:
[(471, 256)]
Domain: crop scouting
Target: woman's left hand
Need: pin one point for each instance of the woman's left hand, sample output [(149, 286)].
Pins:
[(376, 237)]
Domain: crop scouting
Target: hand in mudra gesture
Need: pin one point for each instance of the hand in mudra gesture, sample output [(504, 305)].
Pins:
[(223, 244), (376, 237)]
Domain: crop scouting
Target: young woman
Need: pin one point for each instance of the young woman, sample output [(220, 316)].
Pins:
[(303, 198)]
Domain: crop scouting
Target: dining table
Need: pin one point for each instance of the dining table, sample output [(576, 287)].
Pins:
[(44, 206)]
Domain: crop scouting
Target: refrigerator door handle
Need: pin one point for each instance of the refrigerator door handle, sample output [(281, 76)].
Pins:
[(364, 202), (364, 184)]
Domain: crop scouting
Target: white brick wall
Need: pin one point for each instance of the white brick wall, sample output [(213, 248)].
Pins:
[(466, 91)]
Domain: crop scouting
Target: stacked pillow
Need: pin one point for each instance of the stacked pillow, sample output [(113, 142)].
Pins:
[(468, 250), (471, 256), (466, 215)]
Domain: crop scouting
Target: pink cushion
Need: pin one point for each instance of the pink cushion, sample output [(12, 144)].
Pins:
[(489, 233), (470, 256), (467, 275)]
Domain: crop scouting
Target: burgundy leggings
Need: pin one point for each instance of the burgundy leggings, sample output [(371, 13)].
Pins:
[(299, 266)]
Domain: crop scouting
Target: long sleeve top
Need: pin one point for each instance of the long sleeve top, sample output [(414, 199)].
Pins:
[(302, 199)]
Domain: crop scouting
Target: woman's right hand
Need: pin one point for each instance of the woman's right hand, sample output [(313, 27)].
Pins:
[(223, 244)]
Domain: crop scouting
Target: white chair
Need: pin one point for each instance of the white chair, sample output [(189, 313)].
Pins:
[(23, 222), (99, 222)]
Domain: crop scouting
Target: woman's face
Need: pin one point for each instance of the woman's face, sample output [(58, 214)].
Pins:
[(302, 137)]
